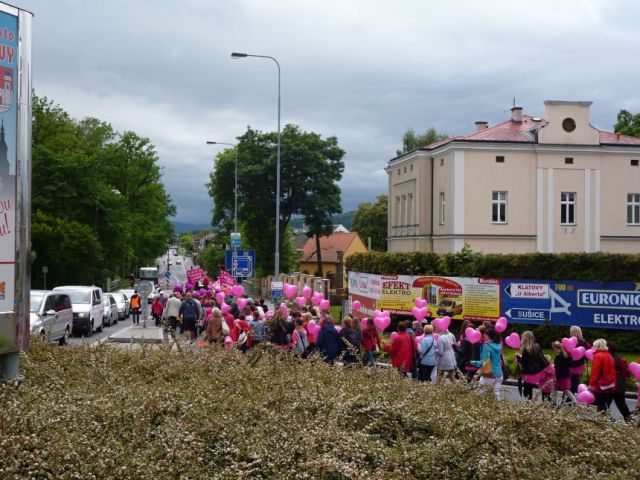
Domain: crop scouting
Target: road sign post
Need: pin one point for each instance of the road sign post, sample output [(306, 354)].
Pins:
[(145, 287)]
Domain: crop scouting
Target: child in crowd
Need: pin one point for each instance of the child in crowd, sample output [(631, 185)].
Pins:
[(562, 364)]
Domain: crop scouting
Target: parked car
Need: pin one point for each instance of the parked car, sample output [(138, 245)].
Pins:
[(110, 316), (51, 316), (123, 305), (88, 308)]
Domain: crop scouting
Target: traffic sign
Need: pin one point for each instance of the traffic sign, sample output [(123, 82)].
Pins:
[(530, 314), (240, 263), (167, 274), (235, 239)]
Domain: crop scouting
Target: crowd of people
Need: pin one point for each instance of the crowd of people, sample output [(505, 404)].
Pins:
[(421, 350)]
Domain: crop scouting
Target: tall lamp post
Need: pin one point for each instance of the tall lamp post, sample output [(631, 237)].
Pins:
[(235, 200), (236, 55)]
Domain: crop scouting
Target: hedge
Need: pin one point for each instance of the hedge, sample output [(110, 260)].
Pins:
[(467, 263)]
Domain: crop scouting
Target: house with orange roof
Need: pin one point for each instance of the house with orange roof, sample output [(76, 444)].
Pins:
[(525, 185), (330, 248)]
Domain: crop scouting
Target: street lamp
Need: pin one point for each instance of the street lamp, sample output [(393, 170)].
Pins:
[(236, 55), (95, 227)]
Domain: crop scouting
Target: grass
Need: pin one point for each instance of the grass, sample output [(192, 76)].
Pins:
[(154, 414)]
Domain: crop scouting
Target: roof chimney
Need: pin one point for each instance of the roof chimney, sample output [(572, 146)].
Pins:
[(481, 125), (516, 114)]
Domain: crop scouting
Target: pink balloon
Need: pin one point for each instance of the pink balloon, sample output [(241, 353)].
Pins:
[(420, 302), (513, 340), (290, 290), (382, 323), (568, 344), (269, 314), (338, 328), (363, 324), (393, 336), (220, 297), (324, 305), (225, 307), (586, 397), (578, 353), (501, 325), (473, 335), (589, 354), (316, 300), (228, 342), (237, 290), (356, 305), (634, 368), (306, 291), (377, 313), (582, 387), (313, 327), (242, 302), (442, 323), (300, 301), (419, 339), (435, 337)]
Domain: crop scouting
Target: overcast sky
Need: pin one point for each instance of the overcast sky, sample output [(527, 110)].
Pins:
[(363, 70)]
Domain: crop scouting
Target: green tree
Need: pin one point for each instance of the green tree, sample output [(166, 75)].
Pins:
[(628, 123), (370, 221), (412, 140), (310, 165)]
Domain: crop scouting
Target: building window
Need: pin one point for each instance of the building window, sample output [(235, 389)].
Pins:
[(500, 159), (499, 207), (403, 211), (442, 204), (568, 161), (397, 222), (398, 172), (410, 210), (568, 208), (634, 163), (569, 125), (441, 161), (411, 167), (633, 209)]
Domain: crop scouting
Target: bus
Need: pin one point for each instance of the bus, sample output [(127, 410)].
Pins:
[(149, 273)]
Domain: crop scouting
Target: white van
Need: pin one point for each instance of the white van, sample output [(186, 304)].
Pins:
[(88, 308), (50, 316)]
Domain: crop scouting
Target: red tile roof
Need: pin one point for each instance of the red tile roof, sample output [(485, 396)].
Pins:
[(524, 132), (329, 246)]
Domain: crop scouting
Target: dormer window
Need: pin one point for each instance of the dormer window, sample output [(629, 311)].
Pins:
[(569, 124)]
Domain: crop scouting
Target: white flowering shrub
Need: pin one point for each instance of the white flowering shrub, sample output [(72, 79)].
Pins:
[(152, 414)]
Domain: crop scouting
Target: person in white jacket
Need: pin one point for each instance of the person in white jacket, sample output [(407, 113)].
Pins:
[(171, 311)]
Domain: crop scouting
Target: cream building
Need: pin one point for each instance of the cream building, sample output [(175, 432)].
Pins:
[(525, 185)]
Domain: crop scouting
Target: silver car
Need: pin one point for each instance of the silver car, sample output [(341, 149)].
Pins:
[(110, 310), (51, 316), (123, 305)]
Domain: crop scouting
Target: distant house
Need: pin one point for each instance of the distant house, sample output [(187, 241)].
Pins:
[(340, 228), (347, 243)]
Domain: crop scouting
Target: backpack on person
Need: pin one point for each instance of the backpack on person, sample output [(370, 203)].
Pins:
[(190, 309)]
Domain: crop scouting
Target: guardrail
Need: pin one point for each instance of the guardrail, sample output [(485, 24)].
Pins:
[(111, 284)]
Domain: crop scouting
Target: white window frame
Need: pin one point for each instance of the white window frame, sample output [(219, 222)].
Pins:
[(633, 209), (499, 199), (442, 208), (568, 206)]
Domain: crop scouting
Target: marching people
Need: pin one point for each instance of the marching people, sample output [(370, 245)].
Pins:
[(189, 312), (428, 350), (351, 341), (135, 303), (622, 372), (602, 381), (299, 339), (446, 356), (491, 353), (562, 365), (531, 362), (401, 350), (578, 367), (156, 310), (214, 327), (172, 311), (328, 342), (370, 342)]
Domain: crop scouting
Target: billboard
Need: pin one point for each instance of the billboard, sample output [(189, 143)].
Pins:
[(586, 304)]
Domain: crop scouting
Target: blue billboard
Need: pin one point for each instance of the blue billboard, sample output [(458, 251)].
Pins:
[(613, 305)]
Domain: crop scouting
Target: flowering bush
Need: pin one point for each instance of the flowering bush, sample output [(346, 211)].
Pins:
[(111, 413)]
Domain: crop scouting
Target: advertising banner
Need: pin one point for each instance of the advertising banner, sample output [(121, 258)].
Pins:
[(195, 274), (586, 304), (8, 122)]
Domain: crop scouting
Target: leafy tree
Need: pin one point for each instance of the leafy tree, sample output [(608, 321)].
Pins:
[(412, 140), (310, 168), (370, 221), (628, 123)]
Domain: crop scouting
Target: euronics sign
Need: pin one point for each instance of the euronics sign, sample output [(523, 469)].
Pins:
[(587, 304)]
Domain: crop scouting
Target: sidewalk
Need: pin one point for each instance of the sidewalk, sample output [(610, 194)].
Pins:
[(138, 334)]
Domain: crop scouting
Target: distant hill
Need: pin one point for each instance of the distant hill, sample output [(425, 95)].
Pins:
[(181, 227), (343, 218)]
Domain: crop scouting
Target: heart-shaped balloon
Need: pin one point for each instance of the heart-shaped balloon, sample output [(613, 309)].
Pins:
[(634, 368), (513, 340), (586, 397), (242, 302), (363, 324), (473, 335), (293, 291), (228, 342), (420, 302), (316, 300), (393, 336), (382, 323), (356, 305), (435, 337), (220, 298), (338, 328), (582, 387), (300, 301), (589, 354), (313, 327), (415, 311), (377, 313), (578, 353), (419, 339), (269, 314), (442, 323), (501, 324), (306, 291), (568, 344), (324, 304), (225, 307)]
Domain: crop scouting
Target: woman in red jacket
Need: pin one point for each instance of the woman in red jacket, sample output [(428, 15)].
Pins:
[(401, 350), (370, 342), (241, 334), (602, 381)]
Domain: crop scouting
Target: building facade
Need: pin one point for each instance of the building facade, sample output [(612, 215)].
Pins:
[(526, 185)]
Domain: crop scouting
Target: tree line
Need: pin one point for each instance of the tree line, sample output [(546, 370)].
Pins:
[(99, 207)]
